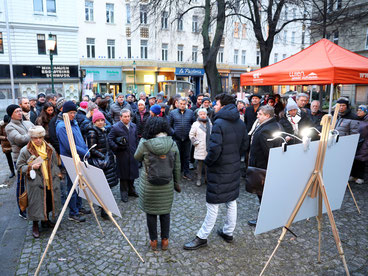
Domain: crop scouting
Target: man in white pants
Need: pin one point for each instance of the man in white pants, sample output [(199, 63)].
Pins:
[(228, 140)]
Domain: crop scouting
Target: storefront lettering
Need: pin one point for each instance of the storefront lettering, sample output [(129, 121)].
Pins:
[(189, 71), (59, 71)]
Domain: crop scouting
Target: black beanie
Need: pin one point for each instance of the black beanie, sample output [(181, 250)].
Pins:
[(41, 95), (343, 101), (69, 106), (10, 109)]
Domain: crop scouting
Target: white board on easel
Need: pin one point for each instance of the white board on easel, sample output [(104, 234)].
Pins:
[(96, 178), (288, 173)]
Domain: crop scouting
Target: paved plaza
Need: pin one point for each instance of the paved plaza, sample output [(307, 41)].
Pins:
[(79, 249)]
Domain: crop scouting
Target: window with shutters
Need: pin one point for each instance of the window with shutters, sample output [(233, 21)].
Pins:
[(128, 32), (144, 32)]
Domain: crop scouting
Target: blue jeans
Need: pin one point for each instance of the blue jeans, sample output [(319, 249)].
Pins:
[(21, 188), (75, 203)]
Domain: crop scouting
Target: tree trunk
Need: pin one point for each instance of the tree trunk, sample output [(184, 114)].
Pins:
[(209, 51)]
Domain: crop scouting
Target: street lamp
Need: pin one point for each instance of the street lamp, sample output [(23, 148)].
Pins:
[(50, 45), (134, 68)]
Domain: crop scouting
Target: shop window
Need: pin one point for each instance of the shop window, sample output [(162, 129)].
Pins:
[(38, 6), (164, 20), (51, 6), (144, 49), (111, 48), (1, 44), (90, 47), (129, 48), (244, 57), (41, 44), (109, 13), (194, 53), (143, 14), (180, 52), (236, 53), (127, 6), (88, 7), (165, 49), (220, 55), (195, 24)]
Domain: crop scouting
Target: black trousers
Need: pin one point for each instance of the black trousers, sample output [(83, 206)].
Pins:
[(184, 150), (152, 226), (10, 161), (127, 185)]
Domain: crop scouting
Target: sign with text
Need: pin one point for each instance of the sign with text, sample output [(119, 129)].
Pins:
[(182, 71), (105, 74)]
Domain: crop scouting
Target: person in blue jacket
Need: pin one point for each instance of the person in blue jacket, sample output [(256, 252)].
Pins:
[(75, 203)]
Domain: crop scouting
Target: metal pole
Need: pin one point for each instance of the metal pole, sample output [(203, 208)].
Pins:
[(52, 73), (135, 88), (9, 50), (331, 95)]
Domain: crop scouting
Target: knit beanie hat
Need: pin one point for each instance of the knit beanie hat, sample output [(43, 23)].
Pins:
[(141, 102), (10, 109), (343, 100), (69, 106), (97, 115), (206, 99), (41, 95), (363, 107), (60, 102), (291, 104), (156, 109), (83, 105)]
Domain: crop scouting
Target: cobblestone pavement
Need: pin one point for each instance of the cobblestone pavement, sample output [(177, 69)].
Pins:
[(79, 249)]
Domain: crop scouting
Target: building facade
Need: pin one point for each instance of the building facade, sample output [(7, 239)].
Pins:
[(30, 25)]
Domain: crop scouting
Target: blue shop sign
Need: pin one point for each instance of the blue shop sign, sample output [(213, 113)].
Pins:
[(182, 71), (104, 74)]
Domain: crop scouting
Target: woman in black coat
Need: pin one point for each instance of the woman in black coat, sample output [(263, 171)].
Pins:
[(101, 155), (140, 118), (123, 140)]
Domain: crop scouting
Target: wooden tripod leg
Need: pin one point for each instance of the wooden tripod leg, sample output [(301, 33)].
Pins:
[(92, 209), (333, 223), (352, 195), (110, 216), (319, 220), (291, 219), (57, 223)]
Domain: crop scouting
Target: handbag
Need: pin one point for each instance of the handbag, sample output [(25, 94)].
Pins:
[(23, 198), (254, 180)]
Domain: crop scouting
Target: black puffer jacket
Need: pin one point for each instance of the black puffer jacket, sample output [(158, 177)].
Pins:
[(101, 156), (228, 140), (181, 123), (139, 122)]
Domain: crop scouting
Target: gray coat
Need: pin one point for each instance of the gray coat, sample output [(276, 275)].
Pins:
[(347, 123), (17, 132), (36, 188), (116, 108)]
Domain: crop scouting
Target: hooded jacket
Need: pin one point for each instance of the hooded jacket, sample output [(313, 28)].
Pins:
[(157, 200), (228, 140)]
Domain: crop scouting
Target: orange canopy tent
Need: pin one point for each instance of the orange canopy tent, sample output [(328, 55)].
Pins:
[(323, 62)]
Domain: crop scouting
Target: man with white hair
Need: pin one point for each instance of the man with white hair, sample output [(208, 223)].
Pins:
[(302, 101), (316, 114)]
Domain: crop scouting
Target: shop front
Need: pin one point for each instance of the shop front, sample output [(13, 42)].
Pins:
[(30, 80), (193, 75), (102, 80)]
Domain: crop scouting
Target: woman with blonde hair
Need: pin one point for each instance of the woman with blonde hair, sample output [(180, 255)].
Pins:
[(37, 164)]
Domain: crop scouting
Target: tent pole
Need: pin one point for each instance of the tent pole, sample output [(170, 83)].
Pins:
[(331, 95)]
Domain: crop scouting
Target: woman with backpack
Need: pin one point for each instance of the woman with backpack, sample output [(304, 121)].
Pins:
[(159, 177), (101, 155)]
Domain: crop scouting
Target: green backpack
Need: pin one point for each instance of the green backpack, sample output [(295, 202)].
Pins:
[(160, 168)]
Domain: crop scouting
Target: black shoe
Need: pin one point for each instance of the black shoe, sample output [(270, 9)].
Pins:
[(133, 194), (226, 238), (47, 224), (195, 244), (77, 218), (124, 196), (23, 215), (12, 175), (84, 211), (252, 222)]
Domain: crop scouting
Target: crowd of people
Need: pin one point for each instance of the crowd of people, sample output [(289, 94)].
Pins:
[(166, 138)]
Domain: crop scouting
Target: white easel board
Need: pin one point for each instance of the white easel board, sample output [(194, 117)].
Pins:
[(96, 178), (287, 176)]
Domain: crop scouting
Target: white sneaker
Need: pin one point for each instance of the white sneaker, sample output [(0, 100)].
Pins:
[(359, 181)]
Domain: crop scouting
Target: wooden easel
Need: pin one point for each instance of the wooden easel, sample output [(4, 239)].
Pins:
[(83, 184), (316, 186)]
